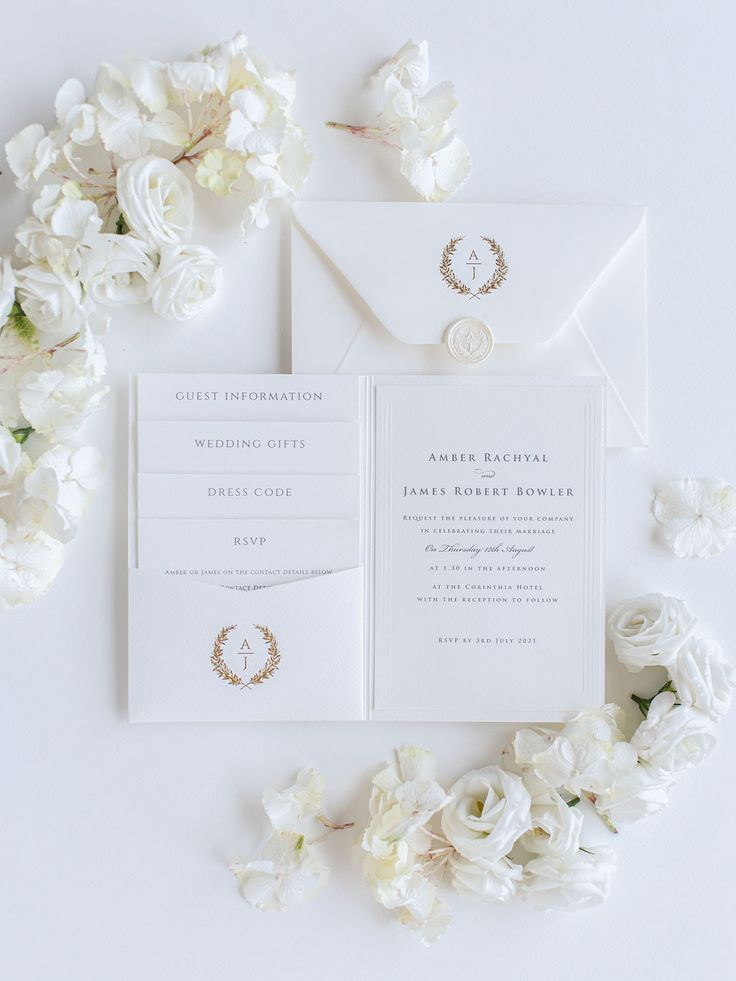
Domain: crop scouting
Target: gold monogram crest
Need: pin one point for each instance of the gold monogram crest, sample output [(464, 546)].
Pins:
[(223, 670), (492, 283)]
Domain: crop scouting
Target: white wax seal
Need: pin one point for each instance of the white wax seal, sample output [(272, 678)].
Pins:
[(469, 340)]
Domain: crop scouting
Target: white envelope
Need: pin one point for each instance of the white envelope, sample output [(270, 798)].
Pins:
[(369, 294)]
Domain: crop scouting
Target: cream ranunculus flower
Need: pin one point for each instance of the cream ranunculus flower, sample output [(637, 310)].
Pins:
[(569, 882), (286, 872), (187, 280), (703, 678), (650, 630), (673, 737), (493, 881), (285, 808), (698, 516), (156, 200), (489, 810), (640, 793)]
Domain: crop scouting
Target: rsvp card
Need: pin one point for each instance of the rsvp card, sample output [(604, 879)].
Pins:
[(365, 547)]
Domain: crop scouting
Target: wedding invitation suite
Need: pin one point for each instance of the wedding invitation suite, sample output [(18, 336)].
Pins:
[(365, 547)]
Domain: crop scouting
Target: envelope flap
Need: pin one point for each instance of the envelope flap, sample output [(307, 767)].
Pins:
[(520, 268)]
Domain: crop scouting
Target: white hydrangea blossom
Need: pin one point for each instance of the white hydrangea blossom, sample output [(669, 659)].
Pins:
[(113, 226), (433, 158)]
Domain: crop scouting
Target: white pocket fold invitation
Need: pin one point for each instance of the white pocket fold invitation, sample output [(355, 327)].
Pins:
[(561, 288), (448, 569)]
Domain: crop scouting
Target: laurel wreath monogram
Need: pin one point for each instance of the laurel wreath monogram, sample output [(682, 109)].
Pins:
[(224, 671), (449, 277)]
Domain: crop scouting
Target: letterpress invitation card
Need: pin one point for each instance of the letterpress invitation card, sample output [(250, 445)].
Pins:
[(364, 547)]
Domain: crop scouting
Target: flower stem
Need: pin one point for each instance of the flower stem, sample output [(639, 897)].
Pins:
[(377, 134), (333, 825)]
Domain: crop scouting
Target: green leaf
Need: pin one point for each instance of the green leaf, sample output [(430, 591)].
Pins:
[(21, 434), (23, 327), (299, 843), (574, 802), (121, 225), (643, 704)]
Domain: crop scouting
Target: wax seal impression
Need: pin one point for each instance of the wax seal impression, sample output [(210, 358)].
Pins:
[(469, 340)]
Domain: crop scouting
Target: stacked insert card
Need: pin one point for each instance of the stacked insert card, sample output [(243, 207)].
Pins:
[(360, 547)]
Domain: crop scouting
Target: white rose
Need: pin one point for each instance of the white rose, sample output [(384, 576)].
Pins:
[(638, 794), (485, 880), (487, 813), (118, 271), (556, 826), (53, 303), (569, 883), (285, 873), (587, 755), (187, 279), (156, 200), (673, 737), (650, 630), (285, 808), (8, 283), (703, 678)]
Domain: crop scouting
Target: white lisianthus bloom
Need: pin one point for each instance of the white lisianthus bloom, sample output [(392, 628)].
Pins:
[(673, 737), (156, 200), (569, 882), (698, 516), (556, 827), (640, 793), (489, 810), (120, 121), (703, 678), (187, 280), (219, 170), (57, 490), (52, 301), (118, 270), (286, 872), (493, 881), (650, 630), (409, 66), (586, 756), (28, 565), (8, 283), (285, 808), (435, 166)]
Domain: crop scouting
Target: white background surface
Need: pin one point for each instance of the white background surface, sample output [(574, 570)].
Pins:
[(114, 838)]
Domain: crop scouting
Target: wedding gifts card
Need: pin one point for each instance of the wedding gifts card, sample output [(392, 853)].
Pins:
[(365, 547), (538, 289)]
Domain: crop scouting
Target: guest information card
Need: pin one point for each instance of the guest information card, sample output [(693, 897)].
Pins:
[(421, 547)]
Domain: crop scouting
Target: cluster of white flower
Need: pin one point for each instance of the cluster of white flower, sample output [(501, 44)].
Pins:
[(698, 516), (518, 830), (289, 868), (114, 227), (434, 159)]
